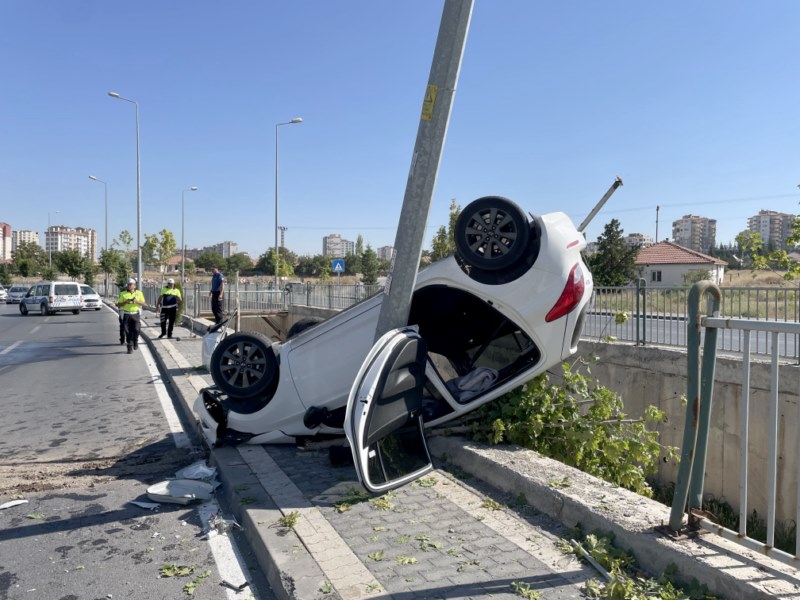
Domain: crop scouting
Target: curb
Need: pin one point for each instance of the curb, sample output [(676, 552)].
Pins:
[(254, 488)]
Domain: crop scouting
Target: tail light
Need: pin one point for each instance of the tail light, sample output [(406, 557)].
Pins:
[(571, 296)]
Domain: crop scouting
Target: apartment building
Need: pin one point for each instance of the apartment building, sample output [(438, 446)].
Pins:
[(385, 252), (82, 239), (633, 240), (5, 242), (23, 236), (335, 246), (694, 232), (774, 227)]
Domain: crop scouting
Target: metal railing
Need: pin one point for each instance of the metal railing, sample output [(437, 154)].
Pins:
[(700, 385), (657, 316), (263, 299)]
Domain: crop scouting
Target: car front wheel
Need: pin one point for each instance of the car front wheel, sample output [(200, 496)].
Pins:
[(243, 365), (491, 233), (23, 309)]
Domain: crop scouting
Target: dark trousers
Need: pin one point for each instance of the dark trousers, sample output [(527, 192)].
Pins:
[(216, 307), (132, 324), (121, 329), (167, 320)]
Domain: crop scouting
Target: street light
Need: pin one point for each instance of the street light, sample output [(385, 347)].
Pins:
[(105, 203), (48, 241), (277, 255), (183, 246), (138, 193)]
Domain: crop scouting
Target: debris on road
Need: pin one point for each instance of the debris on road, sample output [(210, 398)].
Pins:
[(12, 503), (180, 491)]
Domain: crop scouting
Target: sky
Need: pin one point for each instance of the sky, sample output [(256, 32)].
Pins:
[(695, 105)]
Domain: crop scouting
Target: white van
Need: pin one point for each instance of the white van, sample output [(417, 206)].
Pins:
[(50, 297)]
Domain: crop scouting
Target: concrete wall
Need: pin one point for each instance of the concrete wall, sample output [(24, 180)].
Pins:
[(645, 376)]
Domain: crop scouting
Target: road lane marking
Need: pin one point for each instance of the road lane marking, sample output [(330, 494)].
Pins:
[(35, 329), (179, 436), (226, 555), (11, 347)]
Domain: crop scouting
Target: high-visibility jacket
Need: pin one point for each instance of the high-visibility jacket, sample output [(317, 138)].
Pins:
[(126, 301), (170, 297)]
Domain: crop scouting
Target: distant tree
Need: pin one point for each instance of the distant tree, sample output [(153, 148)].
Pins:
[(125, 240), (160, 248), (238, 262), (771, 259), (29, 259), (444, 242), (614, 262), (71, 262), (369, 266), (5, 274), (209, 259), (352, 262)]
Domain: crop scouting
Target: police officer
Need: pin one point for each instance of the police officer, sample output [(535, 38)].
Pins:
[(130, 302), (168, 303)]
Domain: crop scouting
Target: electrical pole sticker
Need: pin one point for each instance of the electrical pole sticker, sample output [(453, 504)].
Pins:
[(429, 103)]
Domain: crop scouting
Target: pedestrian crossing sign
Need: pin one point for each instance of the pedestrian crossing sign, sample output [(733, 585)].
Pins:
[(338, 265)]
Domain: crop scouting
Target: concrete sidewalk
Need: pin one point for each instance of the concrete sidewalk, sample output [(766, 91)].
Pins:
[(484, 524)]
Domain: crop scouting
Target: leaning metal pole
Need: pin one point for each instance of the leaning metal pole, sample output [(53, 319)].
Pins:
[(436, 108)]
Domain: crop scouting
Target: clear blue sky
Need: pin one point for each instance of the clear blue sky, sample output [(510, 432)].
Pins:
[(696, 105)]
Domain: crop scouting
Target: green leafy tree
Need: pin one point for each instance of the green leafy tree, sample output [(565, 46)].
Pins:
[(209, 259), (238, 262), (5, 274), (71, 262), (29, 259), (160, 248), (352, 262), (614, 263), (369, 266), (89, 273), (444, 242), (761, 258), (125, 240), (579, 423)]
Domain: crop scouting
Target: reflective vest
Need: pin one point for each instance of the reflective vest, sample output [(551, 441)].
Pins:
[(170, 297), (126, 301)]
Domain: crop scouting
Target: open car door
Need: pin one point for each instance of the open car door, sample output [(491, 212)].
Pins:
[(383, 420)]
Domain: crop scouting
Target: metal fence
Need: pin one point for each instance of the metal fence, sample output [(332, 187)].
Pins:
[(262, 299), (658, 316), (688, 496)]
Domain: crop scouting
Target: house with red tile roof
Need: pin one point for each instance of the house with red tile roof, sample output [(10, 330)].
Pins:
[(667, 263)]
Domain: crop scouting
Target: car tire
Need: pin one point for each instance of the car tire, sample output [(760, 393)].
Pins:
[(76, 312), (243, 365), (23, 309), (491, 233), (43, 309), (301, 326)]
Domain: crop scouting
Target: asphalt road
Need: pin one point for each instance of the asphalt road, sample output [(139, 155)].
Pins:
[(86, 428)]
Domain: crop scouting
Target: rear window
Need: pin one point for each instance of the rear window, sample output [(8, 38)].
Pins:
[(85, 289), (65, 289), (18, 289)]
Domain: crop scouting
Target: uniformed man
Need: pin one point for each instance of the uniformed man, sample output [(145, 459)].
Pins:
[(168, 303), (130, 303)]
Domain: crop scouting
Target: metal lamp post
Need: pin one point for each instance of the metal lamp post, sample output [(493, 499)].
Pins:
[(277, 253), (105, 204), (183, 245), (47, 239), (138, 193)]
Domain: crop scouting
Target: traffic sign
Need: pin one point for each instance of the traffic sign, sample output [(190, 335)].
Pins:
[(338, 265)]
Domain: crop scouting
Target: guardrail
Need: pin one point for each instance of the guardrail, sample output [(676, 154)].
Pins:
[(657, 316), (700, 386)]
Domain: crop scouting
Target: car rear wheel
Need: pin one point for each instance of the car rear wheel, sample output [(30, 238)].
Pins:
[(76, 312), (23, 309), (43, 309), (491, 233), (243, 365)]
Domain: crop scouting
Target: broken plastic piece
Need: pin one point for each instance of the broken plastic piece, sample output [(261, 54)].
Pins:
[(235, 588), (180, 491), (147, 505), (216, 522), (11, 503), (198, 470)]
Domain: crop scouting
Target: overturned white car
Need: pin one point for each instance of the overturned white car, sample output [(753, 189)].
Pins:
[(507, 306)]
